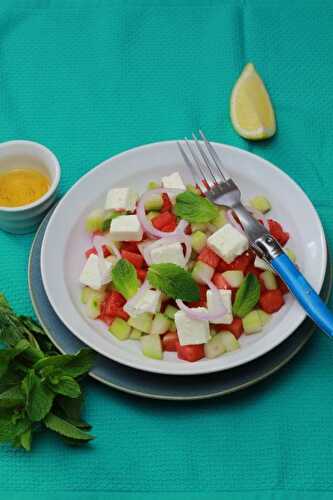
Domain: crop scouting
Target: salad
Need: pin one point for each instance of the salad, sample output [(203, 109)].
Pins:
[(175, 272)]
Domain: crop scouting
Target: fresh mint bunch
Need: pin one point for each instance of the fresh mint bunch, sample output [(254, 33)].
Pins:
[(38, 386)]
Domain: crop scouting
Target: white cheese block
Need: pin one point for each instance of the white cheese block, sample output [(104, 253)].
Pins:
[(212, 306), (95, 274), (228, 243), (150, 302), (126, 228), (121, 199), (191, 331), (172, 253)]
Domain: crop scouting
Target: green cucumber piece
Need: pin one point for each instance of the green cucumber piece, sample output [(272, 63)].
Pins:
[(170, 311), (269, 280), (221, 219), (260, 203), (172, 327), (199, 227), (198, 241), (94, 221), (151, 346), (152, 185), (135, 334), (93, 304), (142, 322), (215, 347), (120, 329), (85, 294), (151, 215), (193, 189), (252, 322), (264, 317), (202, 272), (154, 203), (234, 278), (291, 254), (229, 341), (160, 324)]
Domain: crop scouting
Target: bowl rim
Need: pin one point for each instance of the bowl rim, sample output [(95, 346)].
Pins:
[(52, 160)]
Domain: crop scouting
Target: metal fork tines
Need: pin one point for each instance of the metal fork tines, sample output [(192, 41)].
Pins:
[(208, 172)]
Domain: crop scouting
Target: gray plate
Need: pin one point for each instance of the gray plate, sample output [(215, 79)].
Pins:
[(156, 386)]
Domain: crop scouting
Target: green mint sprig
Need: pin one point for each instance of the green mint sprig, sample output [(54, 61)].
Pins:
[(174, 281), (39, 388), (124, 278), (247, 296), (194, 208)]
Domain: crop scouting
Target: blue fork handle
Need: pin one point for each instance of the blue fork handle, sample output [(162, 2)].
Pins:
[(304, 293)]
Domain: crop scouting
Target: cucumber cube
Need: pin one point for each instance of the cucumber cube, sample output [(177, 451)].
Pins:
[(215, 347), (199, 227), (221, 219), (269, 280), (85, 294), (135, 334), (160, 324), (143, 322), (198, 241), (229, 341), (170, 311), (172, 326), (234, 278), (151, 215), (154, 203), (252, 322), (93, 304), (94, 221), (260, 203), (202, 272), (193, 189), (151, 346), (120, 329), (152, 185), (264, 317)]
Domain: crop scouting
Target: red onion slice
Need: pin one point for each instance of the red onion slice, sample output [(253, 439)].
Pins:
[(129, 307), (97, 242), (146, 224), (192, 312)]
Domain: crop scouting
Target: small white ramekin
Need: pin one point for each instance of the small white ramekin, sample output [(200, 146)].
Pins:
[(25, 219)]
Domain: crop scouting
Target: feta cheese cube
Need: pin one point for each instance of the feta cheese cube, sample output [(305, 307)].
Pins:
[(172, 253), (191, 331), (95, 274), (261, 264), (121, 199), (150, 302), (228, 243), (226, 299), (173, 181), (126, 228)]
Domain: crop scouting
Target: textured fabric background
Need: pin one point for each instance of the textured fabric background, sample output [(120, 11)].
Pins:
[(91, 78)]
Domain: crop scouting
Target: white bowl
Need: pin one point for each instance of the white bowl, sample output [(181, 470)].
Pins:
[(65, 241), (26, 218)]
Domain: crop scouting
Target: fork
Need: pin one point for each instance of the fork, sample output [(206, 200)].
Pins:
[(208, 172)]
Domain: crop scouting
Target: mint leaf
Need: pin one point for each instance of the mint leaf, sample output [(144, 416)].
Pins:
[(174, 281), (195, 208), (25, 440), (72, 365), (124, 278), (12, 397), (71, 407), (67, 386), (247, 296), (11, 427), (65, 428), (39, 397)]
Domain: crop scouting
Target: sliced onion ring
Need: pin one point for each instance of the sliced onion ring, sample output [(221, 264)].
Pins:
[(129, 307), (192, 312), (146, 224)]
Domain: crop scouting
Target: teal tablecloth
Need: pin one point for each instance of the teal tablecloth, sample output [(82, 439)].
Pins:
[(92, 78)]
